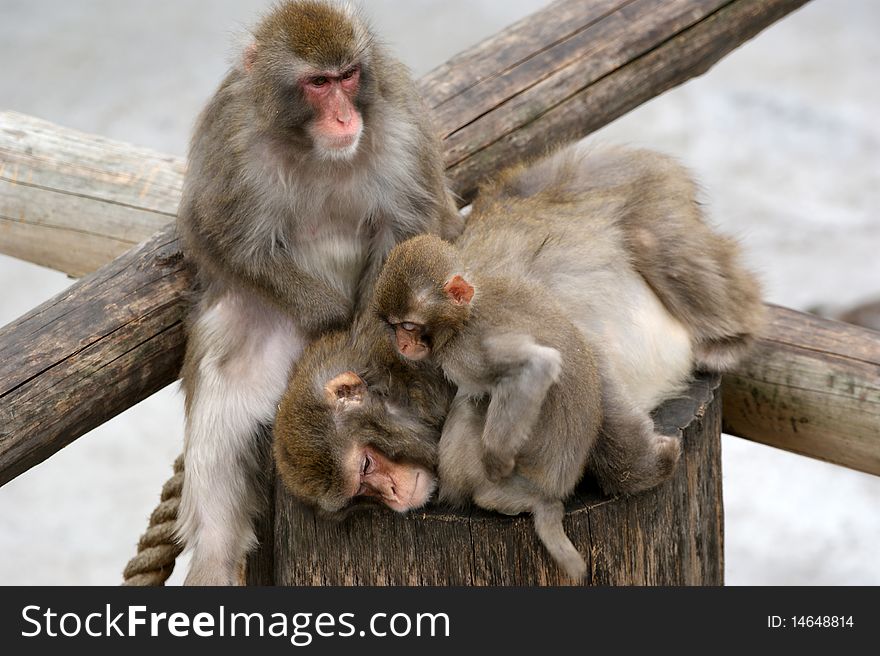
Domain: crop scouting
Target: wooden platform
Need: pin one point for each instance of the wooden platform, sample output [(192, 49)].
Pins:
[(672, 535)]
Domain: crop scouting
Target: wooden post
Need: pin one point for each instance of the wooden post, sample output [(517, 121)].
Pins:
[(672, 535)]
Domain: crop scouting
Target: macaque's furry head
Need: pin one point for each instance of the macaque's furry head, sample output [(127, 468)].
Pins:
[(421, 294), (330, 420), (311, 68), (322, 33)]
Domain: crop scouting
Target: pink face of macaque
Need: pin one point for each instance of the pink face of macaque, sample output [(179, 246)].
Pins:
[(338, 125), (410, 340), (401, 486), (410, 336)]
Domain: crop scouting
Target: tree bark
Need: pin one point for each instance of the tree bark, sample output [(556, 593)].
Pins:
[(811, 386)]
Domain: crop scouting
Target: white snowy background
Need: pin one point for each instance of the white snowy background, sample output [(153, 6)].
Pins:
[(784, 135)]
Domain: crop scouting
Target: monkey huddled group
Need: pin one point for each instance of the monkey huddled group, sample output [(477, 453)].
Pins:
[(399, 352)]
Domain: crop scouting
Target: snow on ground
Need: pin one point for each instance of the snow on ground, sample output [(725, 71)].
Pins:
[(782, 135)]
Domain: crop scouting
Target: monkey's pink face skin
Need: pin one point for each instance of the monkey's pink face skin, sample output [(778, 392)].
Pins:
[(410, 341), (400, 486), (338, 126)]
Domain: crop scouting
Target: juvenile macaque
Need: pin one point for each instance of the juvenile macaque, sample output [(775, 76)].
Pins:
[(570, 246), (529, 402), (314, 157), (358, 424)]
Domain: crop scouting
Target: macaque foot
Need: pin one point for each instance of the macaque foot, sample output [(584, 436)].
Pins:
[(209, 576), (668, 450), (574, 566)]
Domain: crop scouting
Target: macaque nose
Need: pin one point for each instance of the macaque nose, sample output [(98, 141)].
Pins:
[(389, 491), (343, 108)]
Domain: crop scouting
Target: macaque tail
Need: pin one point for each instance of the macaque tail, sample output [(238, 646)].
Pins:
[(548, 525)]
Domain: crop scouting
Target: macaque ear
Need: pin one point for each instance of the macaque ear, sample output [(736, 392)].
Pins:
[(459, 290), (345, 391), (250, 56)]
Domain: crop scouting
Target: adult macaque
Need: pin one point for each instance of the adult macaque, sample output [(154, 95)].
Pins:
[(314, 157), (582, 233), (358, 424)]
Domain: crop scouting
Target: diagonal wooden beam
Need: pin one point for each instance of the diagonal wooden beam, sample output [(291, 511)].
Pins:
[(115, 337), (811, 386), (73, 201)]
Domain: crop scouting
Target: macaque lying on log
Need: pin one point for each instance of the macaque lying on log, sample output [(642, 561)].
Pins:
[(583, 292)]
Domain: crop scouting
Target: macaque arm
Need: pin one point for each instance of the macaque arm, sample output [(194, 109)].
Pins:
[(528, 370), (313, 305)]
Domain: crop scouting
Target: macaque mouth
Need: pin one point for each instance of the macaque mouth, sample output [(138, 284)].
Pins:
[(341, 142)]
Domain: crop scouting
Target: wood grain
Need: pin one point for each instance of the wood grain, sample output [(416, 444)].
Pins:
[(608, 58), (74, 201), (92, 351), (811, 386), (672, 535)]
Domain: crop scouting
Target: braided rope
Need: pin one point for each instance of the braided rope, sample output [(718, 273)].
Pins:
[(158, 547)]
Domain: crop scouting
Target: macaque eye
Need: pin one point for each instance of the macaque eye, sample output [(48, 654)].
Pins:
[(318, 81), (349, 73), (366, 465), (408, 327)]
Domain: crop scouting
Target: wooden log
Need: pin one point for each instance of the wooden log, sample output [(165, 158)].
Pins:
[(91, 352), (811, 386), (672, 535), (465, 83), (593, 63), (73, 202)]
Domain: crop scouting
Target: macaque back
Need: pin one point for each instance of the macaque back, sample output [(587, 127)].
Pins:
[(516, 329)]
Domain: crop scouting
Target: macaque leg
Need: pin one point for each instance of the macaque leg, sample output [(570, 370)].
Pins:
[(703, 284), (630, 456), (516, 399), (462, 475), (239, 359), (722, 354), (460, 469)]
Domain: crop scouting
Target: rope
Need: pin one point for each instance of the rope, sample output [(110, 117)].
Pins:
[(158, 547)]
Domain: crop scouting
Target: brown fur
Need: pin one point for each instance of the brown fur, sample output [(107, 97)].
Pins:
[(581, 229), (527, 379), (287, 238), (696, 272), (311, 438), (231, 240)]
